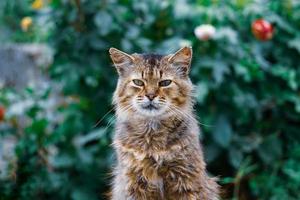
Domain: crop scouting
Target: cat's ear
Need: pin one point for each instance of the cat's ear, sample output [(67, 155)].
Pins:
[(122, 61), (182, 60)]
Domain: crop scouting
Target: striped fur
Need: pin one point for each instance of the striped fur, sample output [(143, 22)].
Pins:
[(158, 151)]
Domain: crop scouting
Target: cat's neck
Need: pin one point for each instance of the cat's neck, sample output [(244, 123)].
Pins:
[(156, 123), (152, 135)]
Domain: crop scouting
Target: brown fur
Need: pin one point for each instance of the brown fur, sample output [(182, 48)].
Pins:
[(158, 151)]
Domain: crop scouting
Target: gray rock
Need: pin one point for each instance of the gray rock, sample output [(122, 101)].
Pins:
[(22, 64)]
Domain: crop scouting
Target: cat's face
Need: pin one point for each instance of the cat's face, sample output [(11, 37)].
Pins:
[(152, 85)]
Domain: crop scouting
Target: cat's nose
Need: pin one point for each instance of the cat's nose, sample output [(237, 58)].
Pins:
[(151, 96)]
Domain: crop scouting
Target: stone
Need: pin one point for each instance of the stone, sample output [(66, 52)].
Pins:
[(22, 64)]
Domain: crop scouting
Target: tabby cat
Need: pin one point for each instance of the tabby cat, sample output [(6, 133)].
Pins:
[(156, 140)]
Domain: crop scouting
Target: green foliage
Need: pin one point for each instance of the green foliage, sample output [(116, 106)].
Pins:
[(247, 92)]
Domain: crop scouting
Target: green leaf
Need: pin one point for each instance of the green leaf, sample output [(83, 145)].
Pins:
[(227, 33), (270, 149), (201, 91), (295, 43), (62, 161), (81, 194), (92, 136), (222, 132), (235, 157), (103, 21), (220, 68), (227, 180)]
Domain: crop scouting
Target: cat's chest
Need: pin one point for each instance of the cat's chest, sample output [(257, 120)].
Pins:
[(149, 167), (152, 141), (152, 152)]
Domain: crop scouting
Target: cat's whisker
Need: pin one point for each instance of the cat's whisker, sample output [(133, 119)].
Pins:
[(190, 117), (111, 119), (178, 117), (109, 123), (99, 121), (181, 118), (163, 101), (126, 108)]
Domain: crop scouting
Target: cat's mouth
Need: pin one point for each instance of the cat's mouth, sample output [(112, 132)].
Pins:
[(150, 107)]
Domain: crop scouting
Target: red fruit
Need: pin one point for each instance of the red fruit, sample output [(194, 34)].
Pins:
[(2, 113), (262, 29)]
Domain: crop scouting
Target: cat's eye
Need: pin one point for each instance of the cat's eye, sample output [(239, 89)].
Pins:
[(138, 82), (164, 83)]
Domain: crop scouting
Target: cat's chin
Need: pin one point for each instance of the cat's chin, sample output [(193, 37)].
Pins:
[(151, 112)]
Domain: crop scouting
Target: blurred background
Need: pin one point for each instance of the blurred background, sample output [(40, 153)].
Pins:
[(56, 85)]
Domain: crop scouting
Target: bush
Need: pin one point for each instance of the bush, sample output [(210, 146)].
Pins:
[(247, 93)]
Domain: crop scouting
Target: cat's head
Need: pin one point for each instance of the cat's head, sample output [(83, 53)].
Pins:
[(153, 85)]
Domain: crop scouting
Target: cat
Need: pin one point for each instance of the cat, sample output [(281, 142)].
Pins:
[(156, 135)]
